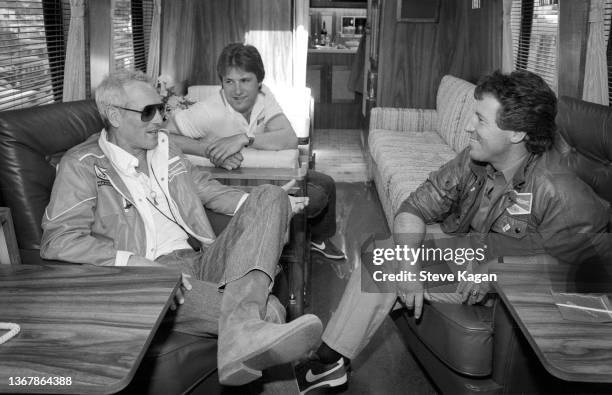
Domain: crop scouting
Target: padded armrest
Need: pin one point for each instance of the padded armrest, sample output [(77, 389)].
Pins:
[(283, 159), (403, 119)]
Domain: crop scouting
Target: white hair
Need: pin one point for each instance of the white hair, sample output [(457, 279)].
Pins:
[(111, 91)]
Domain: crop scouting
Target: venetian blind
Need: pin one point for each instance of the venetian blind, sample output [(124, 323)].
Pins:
[(607, 19), (534, 26), (32, 52), (131, 31)]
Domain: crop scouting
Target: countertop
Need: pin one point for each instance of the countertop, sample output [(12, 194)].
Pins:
[(332, 50)]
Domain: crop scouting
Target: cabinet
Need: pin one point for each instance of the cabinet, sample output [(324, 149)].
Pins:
[(336, 105)]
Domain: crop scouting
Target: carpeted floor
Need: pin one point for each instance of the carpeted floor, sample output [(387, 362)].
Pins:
[(385, 366)]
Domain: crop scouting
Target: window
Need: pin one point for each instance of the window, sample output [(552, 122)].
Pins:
[(607, 27), (32, 52), (534, 26), (131, 29)]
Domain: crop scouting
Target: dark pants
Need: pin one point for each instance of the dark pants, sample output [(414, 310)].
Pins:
[(321, 208)]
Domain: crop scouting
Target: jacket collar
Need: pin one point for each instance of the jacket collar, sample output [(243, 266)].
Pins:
[(480, 169)]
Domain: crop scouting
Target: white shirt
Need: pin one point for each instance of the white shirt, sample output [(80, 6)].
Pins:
[(214, 116), (163, 233)]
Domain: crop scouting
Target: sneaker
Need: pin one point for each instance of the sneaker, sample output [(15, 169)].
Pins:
[(315, 374), (327, 249)]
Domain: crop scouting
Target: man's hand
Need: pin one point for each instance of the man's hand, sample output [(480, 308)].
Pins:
[(179, 296), (298, 203), (223, 148), (471, 292), (411, 294), (231, 163)]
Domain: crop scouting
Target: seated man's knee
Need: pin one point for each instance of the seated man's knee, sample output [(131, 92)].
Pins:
[(268, 191), (322, 181)]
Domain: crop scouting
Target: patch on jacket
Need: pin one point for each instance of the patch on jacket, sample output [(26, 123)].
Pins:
[(521, 203), (101, 176)]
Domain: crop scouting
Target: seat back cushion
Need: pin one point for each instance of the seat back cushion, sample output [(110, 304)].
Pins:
[(585, 139), (453, 113), (31, 141)]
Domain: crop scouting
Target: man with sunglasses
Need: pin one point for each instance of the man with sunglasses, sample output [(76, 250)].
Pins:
[(244, 114), (127, 196)]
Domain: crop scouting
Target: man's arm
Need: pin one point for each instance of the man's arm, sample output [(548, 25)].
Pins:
[(278, 135), (200, 147), (69, 217)]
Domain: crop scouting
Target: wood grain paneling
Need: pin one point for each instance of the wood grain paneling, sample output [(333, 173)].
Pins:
[(573, 33), (415, 56)]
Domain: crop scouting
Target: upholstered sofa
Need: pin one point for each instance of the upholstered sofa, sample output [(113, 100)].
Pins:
[(406, 144), (474, 349)]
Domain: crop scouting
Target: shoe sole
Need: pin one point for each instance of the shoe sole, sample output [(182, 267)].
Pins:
[(295, 343), (336, 257), (328, 383)]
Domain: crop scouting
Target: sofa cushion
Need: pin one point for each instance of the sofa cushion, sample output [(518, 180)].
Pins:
[(454, 104), (459, 335), (404, 160)]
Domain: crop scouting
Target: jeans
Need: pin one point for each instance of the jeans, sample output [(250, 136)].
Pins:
[(321, 210), (253, 240)]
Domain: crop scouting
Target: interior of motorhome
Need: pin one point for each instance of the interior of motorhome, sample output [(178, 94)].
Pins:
[(386, 101)]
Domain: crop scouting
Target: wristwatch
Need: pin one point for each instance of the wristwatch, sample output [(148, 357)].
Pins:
[(251, 141)]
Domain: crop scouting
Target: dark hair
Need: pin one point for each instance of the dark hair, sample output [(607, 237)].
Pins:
[(527, 105), (243, 56)]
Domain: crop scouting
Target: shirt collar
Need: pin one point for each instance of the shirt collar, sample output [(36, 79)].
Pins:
[(516, 173), (123, 161), (258, 107)]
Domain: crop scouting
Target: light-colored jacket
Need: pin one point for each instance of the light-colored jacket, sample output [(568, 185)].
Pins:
[(92, 218)]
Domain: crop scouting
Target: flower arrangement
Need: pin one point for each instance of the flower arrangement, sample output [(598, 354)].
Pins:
[(171, 96)]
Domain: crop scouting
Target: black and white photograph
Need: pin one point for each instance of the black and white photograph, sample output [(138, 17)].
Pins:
[(278, 197)]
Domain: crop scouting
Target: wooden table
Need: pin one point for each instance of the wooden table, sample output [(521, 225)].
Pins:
[(297, 251), (569, 350), (86, 323)]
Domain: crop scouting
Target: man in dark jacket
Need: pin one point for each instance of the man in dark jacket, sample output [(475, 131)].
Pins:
[(506, 189)]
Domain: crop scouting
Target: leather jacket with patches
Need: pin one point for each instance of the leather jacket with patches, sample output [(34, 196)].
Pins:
[(92, 218), (566, 219)]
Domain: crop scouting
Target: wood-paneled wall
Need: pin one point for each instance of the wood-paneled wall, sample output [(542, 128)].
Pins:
[(194, 32), (415, 56)]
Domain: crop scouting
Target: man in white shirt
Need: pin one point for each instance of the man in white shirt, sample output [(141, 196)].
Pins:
[(127, 196), (244, 113)]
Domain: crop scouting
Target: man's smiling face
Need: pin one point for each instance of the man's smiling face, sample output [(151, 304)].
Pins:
[(241, 89)]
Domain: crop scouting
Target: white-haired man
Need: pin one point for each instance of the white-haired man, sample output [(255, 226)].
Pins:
[(126, 196)]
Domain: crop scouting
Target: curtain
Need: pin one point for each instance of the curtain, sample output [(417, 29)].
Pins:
[(74, 69), (507, 55), (595, 70), (154, 42), (300, 42)]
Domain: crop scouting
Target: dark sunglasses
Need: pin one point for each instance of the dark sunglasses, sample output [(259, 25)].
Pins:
[(148, 112)]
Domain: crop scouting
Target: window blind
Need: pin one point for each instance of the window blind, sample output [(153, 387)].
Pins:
[(131, 30), (32, 52), (607, 23), (534, 26)]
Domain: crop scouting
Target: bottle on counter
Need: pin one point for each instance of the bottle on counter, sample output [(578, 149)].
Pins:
[(323, 36)]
